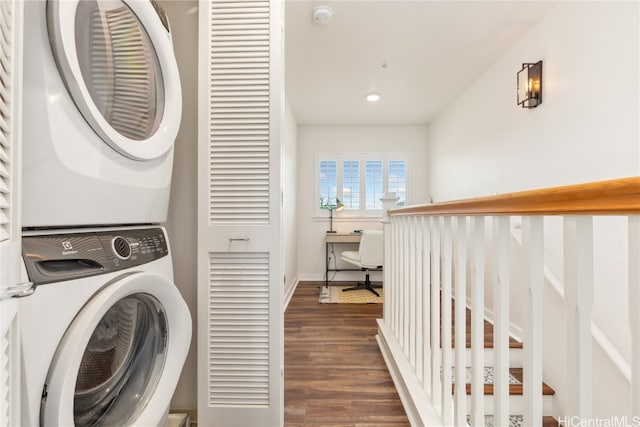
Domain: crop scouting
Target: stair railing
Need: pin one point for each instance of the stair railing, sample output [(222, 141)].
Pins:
[(445, 244)]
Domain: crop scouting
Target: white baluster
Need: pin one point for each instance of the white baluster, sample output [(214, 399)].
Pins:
[(634, 313), (404, 314), (419, 308), (477, 324), (398, 298), (445, 328), (578, 294), (533, 255), (435, 311), (460, 416), (411, 262), (402, 286), (398, 284), (426, 304), (501, 237), (406, 303), (386, 274), (394, 276)]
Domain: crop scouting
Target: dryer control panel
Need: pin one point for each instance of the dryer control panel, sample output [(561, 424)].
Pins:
[(59, 257)]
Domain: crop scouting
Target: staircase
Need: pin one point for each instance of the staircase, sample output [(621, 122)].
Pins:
[(515, 375), (515, 378), (490, 253)]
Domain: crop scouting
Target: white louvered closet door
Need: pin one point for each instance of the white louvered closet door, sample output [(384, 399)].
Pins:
[(240, 273), (10, 113)]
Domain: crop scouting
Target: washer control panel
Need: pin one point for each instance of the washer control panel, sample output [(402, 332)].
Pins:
[(57, 257)]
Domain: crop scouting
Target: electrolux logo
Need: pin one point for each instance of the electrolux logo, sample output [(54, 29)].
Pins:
[(68, 248)]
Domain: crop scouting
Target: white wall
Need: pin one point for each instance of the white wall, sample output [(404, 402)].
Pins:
[(315, 139), (587, 129), (181, 225), (289, 209)]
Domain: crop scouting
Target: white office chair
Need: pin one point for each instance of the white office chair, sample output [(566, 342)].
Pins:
[(369, 256)]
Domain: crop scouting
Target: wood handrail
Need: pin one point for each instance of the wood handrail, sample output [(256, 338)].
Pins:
[(612, 197)]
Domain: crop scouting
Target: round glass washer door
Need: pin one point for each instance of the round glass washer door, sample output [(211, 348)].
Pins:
[(120, 359), (116, 59)]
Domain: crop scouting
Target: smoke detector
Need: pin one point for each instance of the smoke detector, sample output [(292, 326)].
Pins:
[(322, 14)]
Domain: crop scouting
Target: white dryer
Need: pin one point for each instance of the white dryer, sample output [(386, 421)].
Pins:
[(106, 332), (102, 108)]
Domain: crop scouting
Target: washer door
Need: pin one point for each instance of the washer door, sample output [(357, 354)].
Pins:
[(119, 361), (117, 62)]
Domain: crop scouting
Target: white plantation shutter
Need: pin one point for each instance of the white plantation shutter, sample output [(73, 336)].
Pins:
[(240, 274), (10, 114)]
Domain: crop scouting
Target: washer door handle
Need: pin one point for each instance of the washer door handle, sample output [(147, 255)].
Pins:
[(17, 291)]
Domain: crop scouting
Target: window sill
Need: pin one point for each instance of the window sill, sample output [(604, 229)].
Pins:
[(348, 219)]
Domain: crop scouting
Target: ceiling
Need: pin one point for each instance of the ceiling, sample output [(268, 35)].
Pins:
[(418, 55)]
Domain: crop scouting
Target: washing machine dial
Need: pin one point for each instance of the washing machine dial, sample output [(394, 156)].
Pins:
[(121, 247)]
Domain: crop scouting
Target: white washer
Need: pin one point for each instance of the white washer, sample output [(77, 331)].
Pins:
[(106, 332), (102, 108)]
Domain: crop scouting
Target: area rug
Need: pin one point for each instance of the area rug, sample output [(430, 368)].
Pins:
[(334, 295)]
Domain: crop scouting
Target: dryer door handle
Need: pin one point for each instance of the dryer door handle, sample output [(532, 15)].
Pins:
[(17, 291)]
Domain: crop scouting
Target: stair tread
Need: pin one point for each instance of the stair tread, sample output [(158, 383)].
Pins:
[(515, 382), (488, 332), (517, 421), (516, 374)]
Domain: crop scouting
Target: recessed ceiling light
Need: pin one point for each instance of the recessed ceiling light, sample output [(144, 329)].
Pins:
[(373, 97)]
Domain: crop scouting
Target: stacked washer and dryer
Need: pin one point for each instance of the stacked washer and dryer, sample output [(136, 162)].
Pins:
[(105, 332)]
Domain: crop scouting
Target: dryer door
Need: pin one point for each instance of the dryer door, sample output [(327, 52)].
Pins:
[(119, 362), (117, 62)]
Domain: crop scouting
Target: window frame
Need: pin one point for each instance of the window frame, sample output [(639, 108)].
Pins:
[(362, 158)]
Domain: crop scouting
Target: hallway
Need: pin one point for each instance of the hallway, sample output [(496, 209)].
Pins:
[(334, 372)]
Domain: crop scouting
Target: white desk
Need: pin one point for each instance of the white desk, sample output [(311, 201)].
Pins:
[(342, 238)]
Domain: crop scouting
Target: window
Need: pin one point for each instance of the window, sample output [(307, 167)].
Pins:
[(359, 181), (374, 184), (397, 180), (351, 184), (328, 181)]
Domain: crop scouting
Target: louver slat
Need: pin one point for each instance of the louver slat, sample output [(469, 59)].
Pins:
[(6, 99), (238, 329), (239, 128), (9, 342), (7, 371)]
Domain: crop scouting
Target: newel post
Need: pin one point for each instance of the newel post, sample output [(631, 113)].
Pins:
[(389, 201), (634, 314)]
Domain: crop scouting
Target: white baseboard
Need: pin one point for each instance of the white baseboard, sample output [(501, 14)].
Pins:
[(339, 276), (310, 277), (289, 292), (415, 401)]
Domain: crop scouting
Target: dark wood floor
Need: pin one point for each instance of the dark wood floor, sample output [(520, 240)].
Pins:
[(335, 375), (334, 372)]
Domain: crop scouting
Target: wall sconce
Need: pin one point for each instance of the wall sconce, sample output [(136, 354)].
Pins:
[(337, 207), (530, 85)]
